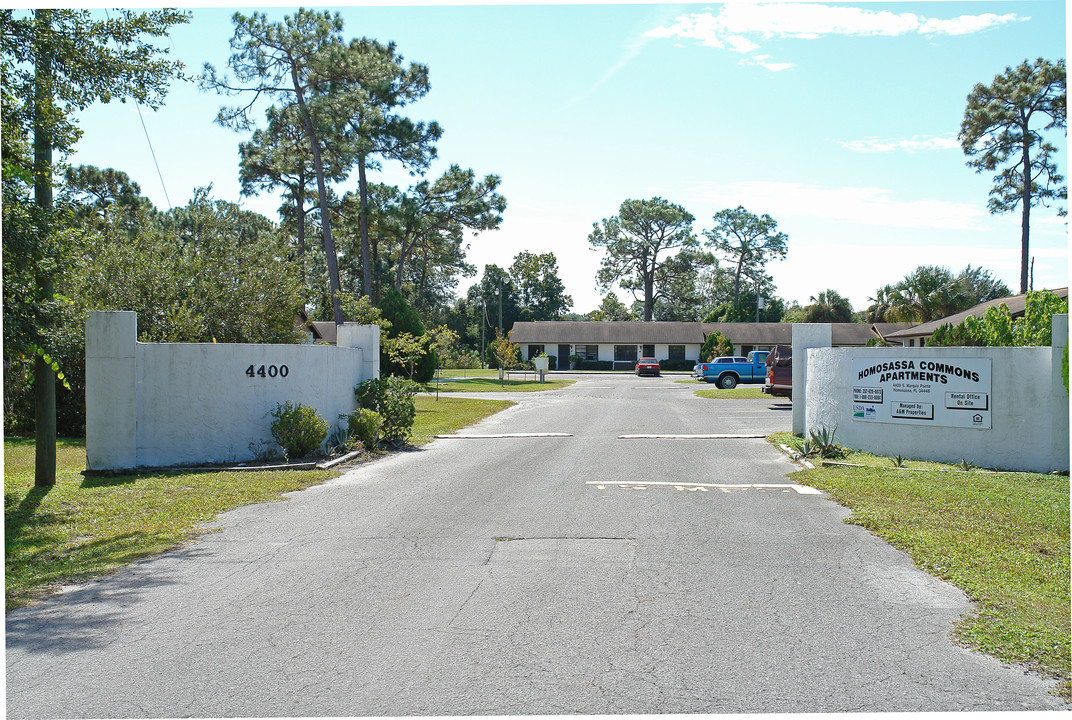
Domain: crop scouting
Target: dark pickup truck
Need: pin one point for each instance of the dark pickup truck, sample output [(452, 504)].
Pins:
[(779, 381)]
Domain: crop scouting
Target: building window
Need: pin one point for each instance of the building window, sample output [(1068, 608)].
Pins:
[(677, 352), (625, 353), (587, 352), (535, 350)]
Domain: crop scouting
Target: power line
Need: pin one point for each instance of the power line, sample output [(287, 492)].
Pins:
[(145, 129)]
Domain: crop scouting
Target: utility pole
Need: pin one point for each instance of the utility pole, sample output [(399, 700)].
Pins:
[(483, 322)]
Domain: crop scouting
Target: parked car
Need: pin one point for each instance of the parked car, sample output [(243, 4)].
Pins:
[(647, 366), (779, 381), (727, 372)]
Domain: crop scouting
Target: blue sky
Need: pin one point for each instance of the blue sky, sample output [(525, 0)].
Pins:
[(837, 119)]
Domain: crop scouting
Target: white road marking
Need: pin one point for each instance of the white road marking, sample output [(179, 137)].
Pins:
[(502, 435), (712, 436), (702, 487)]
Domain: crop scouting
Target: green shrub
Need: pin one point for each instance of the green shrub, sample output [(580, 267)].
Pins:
[(393, 398), (365, 425), (298, 429), (676, 365)]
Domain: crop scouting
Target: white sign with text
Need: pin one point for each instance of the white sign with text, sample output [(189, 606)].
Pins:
[(922, 391)]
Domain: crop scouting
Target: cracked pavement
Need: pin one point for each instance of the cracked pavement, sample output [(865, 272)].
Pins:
[(486, 576)]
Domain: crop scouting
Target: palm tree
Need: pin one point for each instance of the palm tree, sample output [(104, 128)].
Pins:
[(828, 307), (927, 293)]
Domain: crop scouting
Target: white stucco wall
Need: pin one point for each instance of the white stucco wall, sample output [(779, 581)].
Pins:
[(1029, 408), (159, 404), (806, 335)]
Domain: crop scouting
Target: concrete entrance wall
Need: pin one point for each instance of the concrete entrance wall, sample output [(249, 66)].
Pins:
[(1029, 406), (159, 404)]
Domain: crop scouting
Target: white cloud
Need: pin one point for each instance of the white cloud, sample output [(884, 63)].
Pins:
[(862, 205), (766, 62), (740, 27), (910, 145), (965, 24)]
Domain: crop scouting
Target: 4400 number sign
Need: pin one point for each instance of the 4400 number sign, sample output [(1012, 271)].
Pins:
[(269, 371)]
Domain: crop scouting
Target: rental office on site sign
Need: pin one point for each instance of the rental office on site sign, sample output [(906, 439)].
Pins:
[(934, 392)]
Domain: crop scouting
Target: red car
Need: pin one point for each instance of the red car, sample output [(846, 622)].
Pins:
[(647, 366)]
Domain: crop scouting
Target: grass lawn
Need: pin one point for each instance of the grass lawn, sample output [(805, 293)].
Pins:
[(444, 416), (1003, 538), (491, 384), (470, 372), (82, 527), (741, 392)]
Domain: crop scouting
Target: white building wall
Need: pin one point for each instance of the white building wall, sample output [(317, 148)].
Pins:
[(1029, 417), (159, 404)]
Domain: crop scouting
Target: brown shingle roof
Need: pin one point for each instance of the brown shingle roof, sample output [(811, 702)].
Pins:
[(680, 333)]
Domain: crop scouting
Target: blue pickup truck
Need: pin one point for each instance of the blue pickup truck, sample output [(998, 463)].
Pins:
[(727, 372)]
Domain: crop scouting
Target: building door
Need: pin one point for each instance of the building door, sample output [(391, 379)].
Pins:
[(625, 357), (563, 357), (649, 351)]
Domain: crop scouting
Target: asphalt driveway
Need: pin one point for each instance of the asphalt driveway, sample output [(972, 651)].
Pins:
[(584, 573)]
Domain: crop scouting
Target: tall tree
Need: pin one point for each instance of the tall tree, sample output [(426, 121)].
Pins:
[(1003, 130), (642, 241), (748, 242), (279, 156), (301, 61), (540, 291), (378, 133), (62, 61), (496, 292)]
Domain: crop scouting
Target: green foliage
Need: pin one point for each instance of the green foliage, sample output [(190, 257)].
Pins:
[(506, 353), (997, 327), (205, 272), (406, 350), (406, 359), (541, 293), (715, 345), (393, 398), (365, 425), (611, 308), (931, 292), (298, 429), (828, 307), (821, 443), (748, 242)]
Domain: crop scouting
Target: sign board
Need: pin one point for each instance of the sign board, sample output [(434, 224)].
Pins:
[(924, 391)]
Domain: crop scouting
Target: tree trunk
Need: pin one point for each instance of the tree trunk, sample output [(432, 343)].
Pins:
[(44, 377), (300, 220), (325, 215), (366, 263), (1025, 198)]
